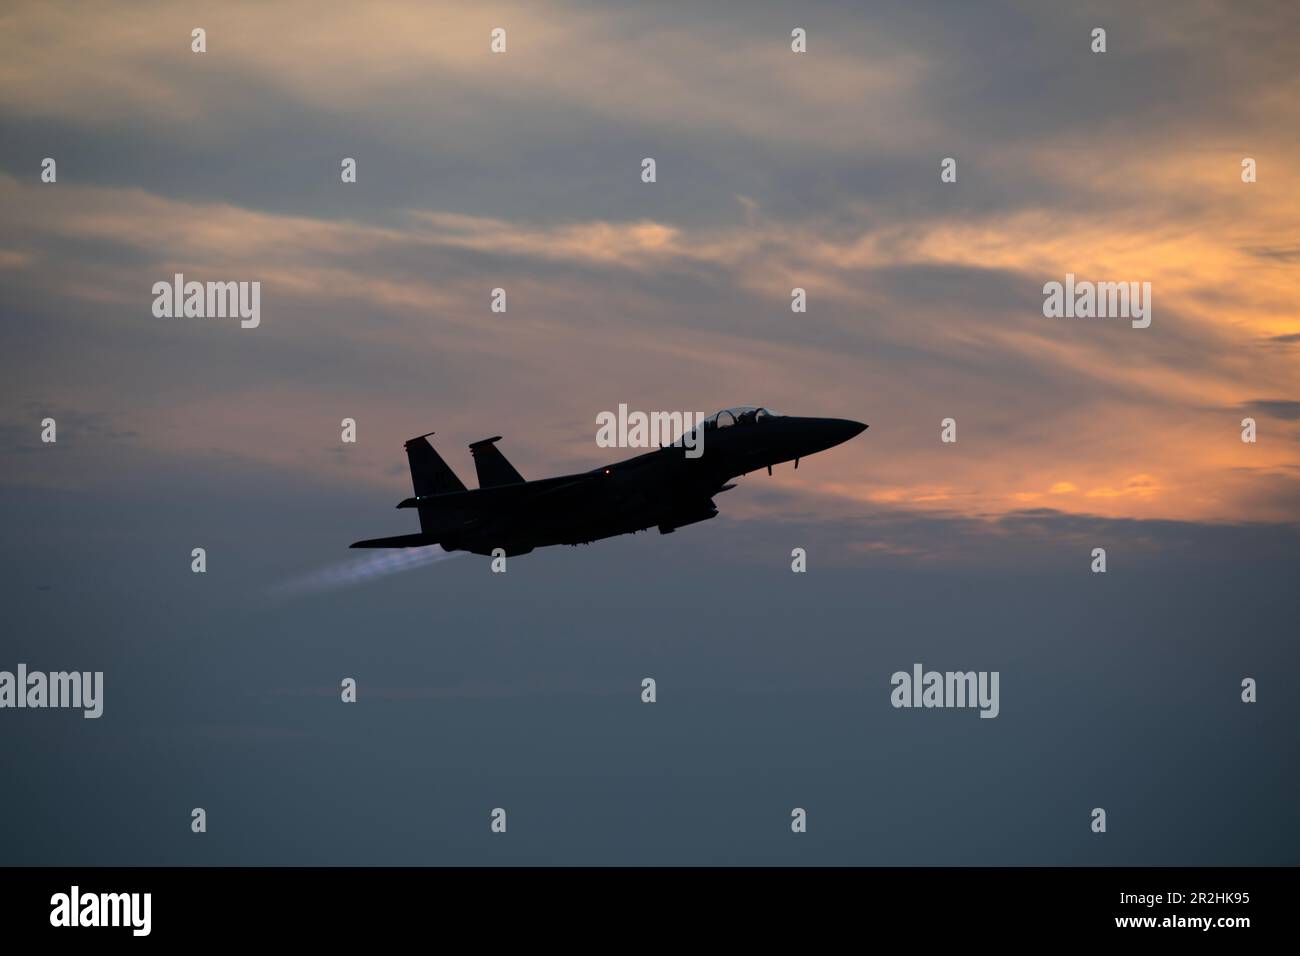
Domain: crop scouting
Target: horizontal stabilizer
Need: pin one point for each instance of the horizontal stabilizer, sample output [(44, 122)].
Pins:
[(492, 467), (398, 541)]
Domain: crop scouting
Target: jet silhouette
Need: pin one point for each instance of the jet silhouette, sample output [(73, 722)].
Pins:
[(663, 488)]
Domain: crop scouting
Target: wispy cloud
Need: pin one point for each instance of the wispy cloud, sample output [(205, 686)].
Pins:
[(924, 298)]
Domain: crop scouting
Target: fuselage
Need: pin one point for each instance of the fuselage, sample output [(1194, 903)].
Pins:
[(666, 488)]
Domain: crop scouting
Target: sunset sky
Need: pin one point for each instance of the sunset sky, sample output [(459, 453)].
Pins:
[(774, 171)]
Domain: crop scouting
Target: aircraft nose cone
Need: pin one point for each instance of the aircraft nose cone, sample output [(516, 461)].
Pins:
[(840, 430)]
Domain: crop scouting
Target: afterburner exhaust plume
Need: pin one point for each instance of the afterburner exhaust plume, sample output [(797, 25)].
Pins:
[(361, 570)]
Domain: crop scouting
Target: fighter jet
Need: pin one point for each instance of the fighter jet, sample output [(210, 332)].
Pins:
[(665, 488)]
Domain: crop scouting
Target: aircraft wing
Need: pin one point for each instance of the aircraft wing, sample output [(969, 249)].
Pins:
[(507, 495)]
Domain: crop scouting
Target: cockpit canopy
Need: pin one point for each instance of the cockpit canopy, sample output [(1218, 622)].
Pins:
[(740, 415)]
